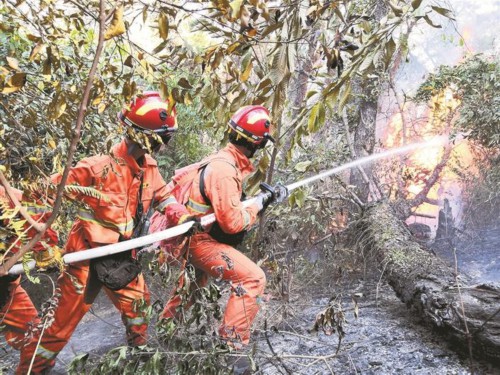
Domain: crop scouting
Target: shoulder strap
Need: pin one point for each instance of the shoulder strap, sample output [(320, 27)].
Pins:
[(202, 185), (202, 178)]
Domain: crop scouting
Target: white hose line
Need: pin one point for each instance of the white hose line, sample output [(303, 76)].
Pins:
[(119, 247)]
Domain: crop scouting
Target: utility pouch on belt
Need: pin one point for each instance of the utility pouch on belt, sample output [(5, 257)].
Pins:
[(116, 271)]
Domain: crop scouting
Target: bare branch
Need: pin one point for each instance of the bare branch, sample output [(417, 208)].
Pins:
[(4, 268)]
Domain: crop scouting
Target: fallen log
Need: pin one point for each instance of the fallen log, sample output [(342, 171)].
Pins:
[(469, 315)]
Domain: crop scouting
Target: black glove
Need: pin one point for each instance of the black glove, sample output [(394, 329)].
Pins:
[(196, 228), (276, 194)]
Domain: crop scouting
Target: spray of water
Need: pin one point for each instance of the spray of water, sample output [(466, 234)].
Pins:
[(435, 142)]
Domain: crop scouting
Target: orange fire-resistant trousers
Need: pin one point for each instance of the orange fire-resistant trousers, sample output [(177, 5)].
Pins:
[(247, 279), (17, 314), (73, 304)]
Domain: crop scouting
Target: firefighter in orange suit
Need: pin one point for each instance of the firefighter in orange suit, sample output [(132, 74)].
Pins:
[(108, 219), (211, 252), (17, 312)]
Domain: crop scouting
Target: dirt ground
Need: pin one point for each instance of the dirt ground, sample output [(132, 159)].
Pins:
[(385, 338)]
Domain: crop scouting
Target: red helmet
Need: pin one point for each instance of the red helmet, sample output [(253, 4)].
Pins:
[(253, 123), (148, 113)]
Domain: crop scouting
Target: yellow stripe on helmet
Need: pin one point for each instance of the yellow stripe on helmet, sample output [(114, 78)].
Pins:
[(152, 105), (253, 118)]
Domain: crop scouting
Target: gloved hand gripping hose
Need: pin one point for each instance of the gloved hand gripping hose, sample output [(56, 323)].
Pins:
[(276, 194)]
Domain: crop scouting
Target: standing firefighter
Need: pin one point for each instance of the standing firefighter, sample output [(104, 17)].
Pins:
[(17, 312), (128, 182), (217, 188)]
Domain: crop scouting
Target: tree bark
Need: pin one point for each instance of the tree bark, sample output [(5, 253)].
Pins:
[(469, 315)]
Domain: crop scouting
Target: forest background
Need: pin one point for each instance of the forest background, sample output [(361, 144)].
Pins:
[(343, 80)]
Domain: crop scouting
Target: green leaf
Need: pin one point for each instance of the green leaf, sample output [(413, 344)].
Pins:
[(298, 198)]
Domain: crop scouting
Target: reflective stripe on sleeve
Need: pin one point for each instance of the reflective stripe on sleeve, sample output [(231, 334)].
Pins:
[(198, 207), (165, 203)]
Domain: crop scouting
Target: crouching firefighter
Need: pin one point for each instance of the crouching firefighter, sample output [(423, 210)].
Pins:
[(128, 182), (17, 312), (217, 188)]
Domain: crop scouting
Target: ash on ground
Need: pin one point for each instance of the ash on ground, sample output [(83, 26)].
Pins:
[(385, 338)]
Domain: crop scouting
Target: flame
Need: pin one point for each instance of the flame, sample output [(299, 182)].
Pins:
[(417, 124)]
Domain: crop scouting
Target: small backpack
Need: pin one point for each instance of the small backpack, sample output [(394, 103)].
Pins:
[(180, 188)]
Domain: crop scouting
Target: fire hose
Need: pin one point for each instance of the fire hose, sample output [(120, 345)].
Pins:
[(210, 218)]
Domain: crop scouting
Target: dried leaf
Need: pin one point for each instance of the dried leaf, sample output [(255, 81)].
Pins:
[(316, 117), (15, 82), (416, 4), (187, 98), (251, 32), (164, 93), (183, 82), (398, 11), (235, 9), (345, 97), (57, 107), (160, 47), (117, 26), (129, 61), (302, 166), (245, 17), (444, 12), (390, 48), (36, 50), (429, 21), (13, 63), (163, 25), (246, 73)]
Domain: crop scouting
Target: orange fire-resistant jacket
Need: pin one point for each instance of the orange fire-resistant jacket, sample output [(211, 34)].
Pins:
[(16, 309), (109, 215), (223, 179)]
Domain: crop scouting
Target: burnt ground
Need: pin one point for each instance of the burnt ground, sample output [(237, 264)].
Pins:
[(386, 338)]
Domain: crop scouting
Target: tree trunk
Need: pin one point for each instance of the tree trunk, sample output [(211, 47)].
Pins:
[(467, 314)]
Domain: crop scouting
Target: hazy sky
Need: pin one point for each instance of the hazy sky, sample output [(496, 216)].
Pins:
[(477, 22)]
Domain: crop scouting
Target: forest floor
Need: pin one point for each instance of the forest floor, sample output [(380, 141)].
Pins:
[(385, 338)]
